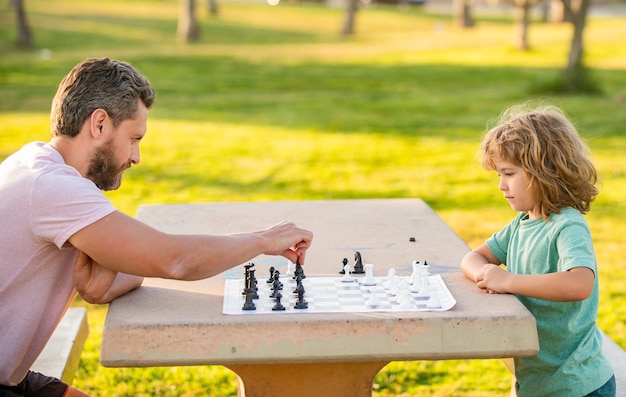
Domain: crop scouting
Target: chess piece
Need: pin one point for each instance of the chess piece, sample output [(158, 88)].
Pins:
[(252, 284), (249, 303), (343, 268), (299, 271), (373, 300), (424, 291), (276, 285), (369, 275), (405, 299), (416, 277), (391, 279), (299, 285), (416, 270), (433, 302), (301, 303), (271, 279), (358, 264), (290, 269), (278, 306), (246, 278), (347, 278)]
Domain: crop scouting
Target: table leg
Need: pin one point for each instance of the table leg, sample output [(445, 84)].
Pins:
[(307, 380)]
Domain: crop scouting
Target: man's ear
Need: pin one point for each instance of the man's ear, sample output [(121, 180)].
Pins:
[(98, 122)]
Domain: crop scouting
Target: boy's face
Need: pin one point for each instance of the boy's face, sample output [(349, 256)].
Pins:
[(514, 185)]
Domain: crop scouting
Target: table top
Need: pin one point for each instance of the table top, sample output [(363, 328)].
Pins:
[(167, 322)]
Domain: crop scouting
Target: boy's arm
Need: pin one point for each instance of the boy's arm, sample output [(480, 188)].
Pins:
[(482, 267), (573, 285), (474, 262)]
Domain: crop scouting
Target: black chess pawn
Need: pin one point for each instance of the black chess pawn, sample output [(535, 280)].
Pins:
[(299, 271), (358, 264), (252, 284), (276, 285), (345, 262), (301, 303), (276, 281), (249, 303), (246, 277), (278, 306), (271, 279), (299, 285)]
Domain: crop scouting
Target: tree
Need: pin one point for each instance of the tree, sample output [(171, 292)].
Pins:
[(462, 13), (188, 29), (213, 7), (24, 35), (575, 74), (348, 25), (522, 22)]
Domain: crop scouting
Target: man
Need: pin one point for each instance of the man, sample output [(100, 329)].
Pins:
[(61, 236)]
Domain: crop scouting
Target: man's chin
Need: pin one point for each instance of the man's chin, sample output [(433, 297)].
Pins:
[(111, 185)]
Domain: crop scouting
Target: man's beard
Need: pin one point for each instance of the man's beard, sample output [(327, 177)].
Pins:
[(103, 170)]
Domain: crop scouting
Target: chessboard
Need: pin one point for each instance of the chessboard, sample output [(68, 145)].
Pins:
[(335, 294)]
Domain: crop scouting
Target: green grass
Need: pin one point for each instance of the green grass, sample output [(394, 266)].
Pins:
[(272, 104)]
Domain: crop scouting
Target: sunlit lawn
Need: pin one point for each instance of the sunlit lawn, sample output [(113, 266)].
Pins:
[(272, 104)]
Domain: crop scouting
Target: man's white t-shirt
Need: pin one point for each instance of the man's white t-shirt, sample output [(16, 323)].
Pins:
[(43, 202)]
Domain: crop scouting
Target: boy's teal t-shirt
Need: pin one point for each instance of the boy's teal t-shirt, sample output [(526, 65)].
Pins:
[(570, 361)]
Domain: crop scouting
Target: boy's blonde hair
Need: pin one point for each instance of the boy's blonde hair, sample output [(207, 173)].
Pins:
[(545, 144)]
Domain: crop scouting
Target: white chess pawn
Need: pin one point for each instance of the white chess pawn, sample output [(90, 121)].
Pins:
[(424, 291), (416, 271), (369, 275), (424, 274), (391, 278), (405, 300), (347, 278), (373, 300), (398, 287), (433, 302), (416, 278)]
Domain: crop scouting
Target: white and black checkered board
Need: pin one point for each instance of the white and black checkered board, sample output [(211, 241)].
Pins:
[(329, 295)]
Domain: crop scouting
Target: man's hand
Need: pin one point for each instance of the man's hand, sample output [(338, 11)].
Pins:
[(288, 240), (91, 280), (99, 284)]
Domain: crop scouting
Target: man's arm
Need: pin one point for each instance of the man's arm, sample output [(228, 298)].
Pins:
[(97, 284), (123, 244)]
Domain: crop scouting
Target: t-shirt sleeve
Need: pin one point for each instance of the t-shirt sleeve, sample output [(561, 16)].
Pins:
[(575, 248), (63, 203)]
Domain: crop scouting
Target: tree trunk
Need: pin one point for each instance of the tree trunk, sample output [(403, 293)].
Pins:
[(24, 35), (522, 22), (348, 25), (578, 13), (557, 11), (463, 13), (213, 8), (188, 29)]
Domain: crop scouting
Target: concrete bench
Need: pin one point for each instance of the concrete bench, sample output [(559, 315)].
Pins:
[(615, 354), (61, 355)]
